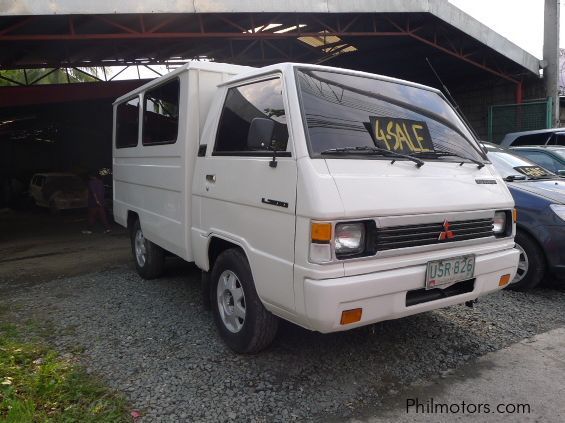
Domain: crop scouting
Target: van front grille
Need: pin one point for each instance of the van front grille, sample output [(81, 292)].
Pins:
[(431, 233)]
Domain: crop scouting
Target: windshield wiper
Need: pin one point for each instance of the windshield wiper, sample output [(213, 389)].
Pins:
[(433, 154), (542, 177), (373, 151), (512, 178)]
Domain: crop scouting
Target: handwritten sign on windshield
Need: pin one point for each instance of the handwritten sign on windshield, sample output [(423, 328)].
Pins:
[(532, 171), (401, 135)]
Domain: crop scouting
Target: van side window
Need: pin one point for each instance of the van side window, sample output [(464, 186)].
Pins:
[(161, 114), (262, 99), (127, 123)]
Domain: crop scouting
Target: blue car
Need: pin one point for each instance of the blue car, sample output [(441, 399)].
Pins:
[(551, 157), (540, 230)]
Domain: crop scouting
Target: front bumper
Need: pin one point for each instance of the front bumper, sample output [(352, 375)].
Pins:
[(382, 295)]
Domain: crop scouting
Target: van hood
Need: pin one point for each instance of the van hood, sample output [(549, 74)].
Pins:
[(381, 188)]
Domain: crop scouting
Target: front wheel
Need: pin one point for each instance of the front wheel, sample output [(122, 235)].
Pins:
[(242, 320), (531, 265), (149, 257)]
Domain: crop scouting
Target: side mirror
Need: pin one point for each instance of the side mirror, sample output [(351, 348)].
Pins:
[(260, 133), (561, 172)]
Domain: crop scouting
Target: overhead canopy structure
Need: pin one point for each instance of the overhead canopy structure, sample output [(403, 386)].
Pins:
[(373, 34), (47, 126)]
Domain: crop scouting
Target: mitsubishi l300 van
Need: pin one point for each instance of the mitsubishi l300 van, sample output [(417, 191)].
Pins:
[(327, 197)]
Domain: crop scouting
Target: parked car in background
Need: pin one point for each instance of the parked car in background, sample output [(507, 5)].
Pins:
[(552, 136), (58, 191), (551, 157), (540, 229)]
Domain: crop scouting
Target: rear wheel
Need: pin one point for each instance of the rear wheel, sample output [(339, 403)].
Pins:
[(149, 257), (531, 265), (242, 320)]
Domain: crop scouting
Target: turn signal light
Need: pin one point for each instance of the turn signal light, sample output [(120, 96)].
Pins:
[(351, 316), (504, 279), (321, 232), (515, 215)]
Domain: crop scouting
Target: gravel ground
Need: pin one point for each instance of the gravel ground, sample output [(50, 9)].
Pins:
[(155, 342)]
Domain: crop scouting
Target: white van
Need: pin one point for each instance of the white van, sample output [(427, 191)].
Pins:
[(327, 197)]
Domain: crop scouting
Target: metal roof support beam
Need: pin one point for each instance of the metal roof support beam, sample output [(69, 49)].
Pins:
[(462, 57), (17, 25), (519, 92), (236, 26), (162, 24), (274, 47), (115, 24), (43, 76), (5, 78), (468, 27), (88, 74), (153, 70), (114, 76), (358, 25), (141, 23)]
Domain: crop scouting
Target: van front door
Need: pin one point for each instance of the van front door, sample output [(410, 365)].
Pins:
[(246, 195)]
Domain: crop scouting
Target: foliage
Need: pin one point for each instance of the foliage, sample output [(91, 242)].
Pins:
[(37, 384), (58, 76)]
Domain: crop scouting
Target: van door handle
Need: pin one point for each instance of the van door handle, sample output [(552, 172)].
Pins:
[(211, 178)]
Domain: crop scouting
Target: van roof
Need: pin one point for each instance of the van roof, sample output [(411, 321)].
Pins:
[(193, 64), (289, 66), (242, 73)]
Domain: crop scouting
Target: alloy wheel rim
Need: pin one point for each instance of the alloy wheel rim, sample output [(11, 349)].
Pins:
[(523, 265), (140, 251), (231, 301)]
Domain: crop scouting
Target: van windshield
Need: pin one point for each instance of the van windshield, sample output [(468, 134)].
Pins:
[(346, 111)]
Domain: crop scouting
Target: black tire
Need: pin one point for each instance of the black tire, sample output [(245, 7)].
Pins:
[(533, 274), (259, 327), (152, 266)]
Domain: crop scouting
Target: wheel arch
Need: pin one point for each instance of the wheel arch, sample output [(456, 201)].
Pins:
[(534, 238), (218, 245), (131, 218)]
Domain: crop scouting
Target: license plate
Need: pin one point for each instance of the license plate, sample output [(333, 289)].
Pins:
[(448, 271)]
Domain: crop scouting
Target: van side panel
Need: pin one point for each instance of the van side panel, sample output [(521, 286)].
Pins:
[(155, 181), (202, 87), (148, 180)]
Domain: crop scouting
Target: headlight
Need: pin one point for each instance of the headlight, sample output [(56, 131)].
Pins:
[(499, 224), (349, 238), (559, 210)]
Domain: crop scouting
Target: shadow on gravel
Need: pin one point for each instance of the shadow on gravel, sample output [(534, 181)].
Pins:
[(154, 341)]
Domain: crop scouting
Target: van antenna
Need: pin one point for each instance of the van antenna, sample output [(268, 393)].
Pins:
[(451, 99)]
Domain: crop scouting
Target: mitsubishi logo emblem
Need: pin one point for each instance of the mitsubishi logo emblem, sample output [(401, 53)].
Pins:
[(446, 233)]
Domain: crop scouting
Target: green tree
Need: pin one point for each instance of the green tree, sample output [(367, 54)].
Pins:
[(58, 76)]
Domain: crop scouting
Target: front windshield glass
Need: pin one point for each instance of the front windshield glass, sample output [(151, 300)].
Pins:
[(508, 164), (344, 111)]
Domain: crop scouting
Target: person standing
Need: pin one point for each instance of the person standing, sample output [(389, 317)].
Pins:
[(96, 204)]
